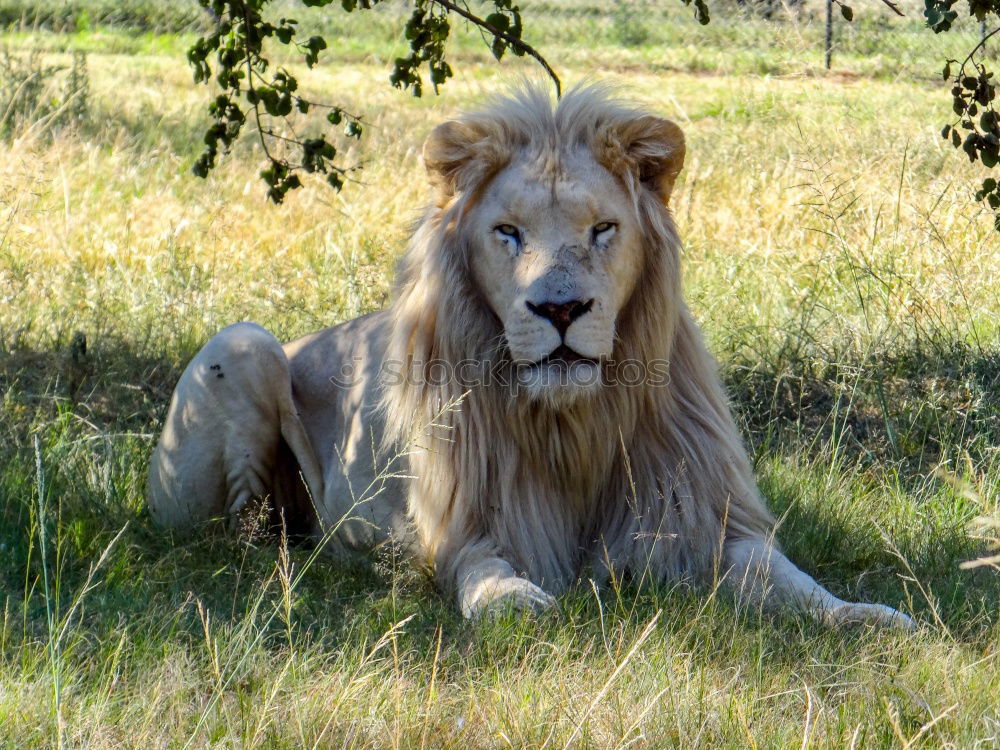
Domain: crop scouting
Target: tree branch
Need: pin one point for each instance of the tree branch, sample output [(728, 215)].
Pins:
[(893, 7), (256, 103), (513, 41), (982, 43)]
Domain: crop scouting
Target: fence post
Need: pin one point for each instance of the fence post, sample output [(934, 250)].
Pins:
[(829, 32)]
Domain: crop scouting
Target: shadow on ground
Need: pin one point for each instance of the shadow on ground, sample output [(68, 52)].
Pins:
[(77, 425)]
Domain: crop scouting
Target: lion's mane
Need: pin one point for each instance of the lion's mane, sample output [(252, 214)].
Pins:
[(635, 478)]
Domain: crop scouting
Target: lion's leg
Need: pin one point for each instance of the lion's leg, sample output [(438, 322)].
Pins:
[(221, 439), (487, 583), (761, 575)]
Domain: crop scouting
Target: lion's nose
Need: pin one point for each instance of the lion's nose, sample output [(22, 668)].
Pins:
[(561, 314)]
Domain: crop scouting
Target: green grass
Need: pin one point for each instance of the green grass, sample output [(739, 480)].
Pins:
[(842, 274)]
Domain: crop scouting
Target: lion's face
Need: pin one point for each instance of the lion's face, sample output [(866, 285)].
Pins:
[(553, 208), (555, 251)]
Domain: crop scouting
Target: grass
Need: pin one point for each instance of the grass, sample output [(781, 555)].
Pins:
[(843, 276)]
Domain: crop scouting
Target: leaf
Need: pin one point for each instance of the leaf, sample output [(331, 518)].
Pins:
[(498, 21), (701, 13), (497, 47), (284, 106), (847, 12), (970, 146)]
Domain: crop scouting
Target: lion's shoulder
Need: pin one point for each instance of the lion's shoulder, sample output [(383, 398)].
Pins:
[(345, 356)]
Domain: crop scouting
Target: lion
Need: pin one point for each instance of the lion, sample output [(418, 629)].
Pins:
[(485, 422)]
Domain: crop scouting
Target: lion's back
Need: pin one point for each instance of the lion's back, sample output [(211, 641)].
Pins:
[(336, 384)]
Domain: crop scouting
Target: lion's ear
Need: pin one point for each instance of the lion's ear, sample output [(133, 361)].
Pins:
[(460, 155), (651, 148)]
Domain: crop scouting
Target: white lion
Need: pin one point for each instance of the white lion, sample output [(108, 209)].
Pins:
[(535, 405)]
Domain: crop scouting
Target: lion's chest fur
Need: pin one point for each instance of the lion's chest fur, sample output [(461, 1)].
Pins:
[(542, 484)]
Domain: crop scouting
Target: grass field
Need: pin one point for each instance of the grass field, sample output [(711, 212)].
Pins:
[(842, 273)]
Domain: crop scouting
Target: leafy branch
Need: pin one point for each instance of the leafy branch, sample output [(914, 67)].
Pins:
[(973, 92), (236, 49), (974, 104), (497, 24)]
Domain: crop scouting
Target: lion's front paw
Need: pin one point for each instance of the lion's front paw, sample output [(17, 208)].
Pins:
[(512, 592), (852, 613)]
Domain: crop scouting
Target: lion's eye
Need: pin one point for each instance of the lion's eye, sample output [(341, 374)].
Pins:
[(509, 235), (603, 232)]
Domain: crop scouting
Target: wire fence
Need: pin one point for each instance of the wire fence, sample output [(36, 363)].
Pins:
[(780, 37), (768, 37)]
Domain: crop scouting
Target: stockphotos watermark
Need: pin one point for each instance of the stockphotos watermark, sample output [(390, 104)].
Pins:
[(477, 373)]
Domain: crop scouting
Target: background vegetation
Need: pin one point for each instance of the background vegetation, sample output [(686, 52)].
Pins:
[(844, 277)]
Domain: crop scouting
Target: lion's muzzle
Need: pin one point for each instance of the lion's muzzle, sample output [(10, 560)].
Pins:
[(561, 314)]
